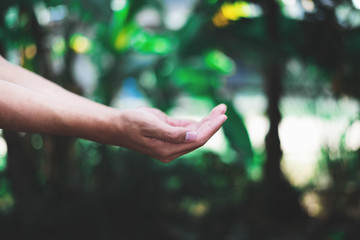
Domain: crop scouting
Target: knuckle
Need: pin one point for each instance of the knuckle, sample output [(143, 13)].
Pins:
[(173, 135), (169, 135)]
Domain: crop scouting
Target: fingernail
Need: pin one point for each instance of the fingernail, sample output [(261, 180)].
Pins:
[(224, 108), (221, 108), (190, 136)]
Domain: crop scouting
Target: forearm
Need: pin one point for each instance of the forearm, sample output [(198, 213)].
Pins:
[(142, 130), (30, 103), (29, 80), (27, 111)]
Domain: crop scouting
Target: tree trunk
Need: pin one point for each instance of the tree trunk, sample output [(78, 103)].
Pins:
[(280, 198), (20, 168), (23, 162), (273, 87), (60, 162)]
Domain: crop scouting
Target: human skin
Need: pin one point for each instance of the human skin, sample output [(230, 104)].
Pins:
[(31, 103)]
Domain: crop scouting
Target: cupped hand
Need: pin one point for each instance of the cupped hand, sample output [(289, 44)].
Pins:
[(152, 132)]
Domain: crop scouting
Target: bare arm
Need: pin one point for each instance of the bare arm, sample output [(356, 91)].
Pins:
[(23, 77), (30, 103), (27, 111)]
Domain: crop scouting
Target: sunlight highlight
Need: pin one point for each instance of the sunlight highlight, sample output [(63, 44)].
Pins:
[(118, 5), (3, 153), (308, 5), (30, 51), (352, 137), (300, 141), (312, 204), (80, 43), (292, 9), (234, 11), (356, 3)]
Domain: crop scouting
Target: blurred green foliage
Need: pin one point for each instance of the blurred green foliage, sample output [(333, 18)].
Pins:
[(62, 188)]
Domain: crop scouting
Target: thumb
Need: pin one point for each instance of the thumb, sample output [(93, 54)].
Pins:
[(172, 134)]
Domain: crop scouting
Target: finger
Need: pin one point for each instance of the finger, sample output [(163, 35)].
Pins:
[(216, 111), (180, 122), (220, 109), (205, 132), (208, 130), (172, 121), (165, 132), (207, 127)]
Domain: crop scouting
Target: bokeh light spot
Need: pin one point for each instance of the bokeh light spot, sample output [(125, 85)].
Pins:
[(3, 153), (58, 46), (218, 61), (118, 5), (11, 17), (219, 20), (308, 5), (80, 43), (199, 209), (234, 11), (194, 207), (173, 183), (352, 137), (312, 204), (30, 51), (356, 3), (37, 141)]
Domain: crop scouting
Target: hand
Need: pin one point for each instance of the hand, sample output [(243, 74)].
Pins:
[(152, 132)]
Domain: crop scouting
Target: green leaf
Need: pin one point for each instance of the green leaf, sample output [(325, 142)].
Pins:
[(219, 62), (118, 26), (79, 43), (237, 134), (123, 39), (154, 44), (196, 81)]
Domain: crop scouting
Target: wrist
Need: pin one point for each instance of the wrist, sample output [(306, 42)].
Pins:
[(99, 125), (112, 127)]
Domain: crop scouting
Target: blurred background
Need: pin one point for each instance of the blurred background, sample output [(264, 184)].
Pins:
[(284, 166)]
